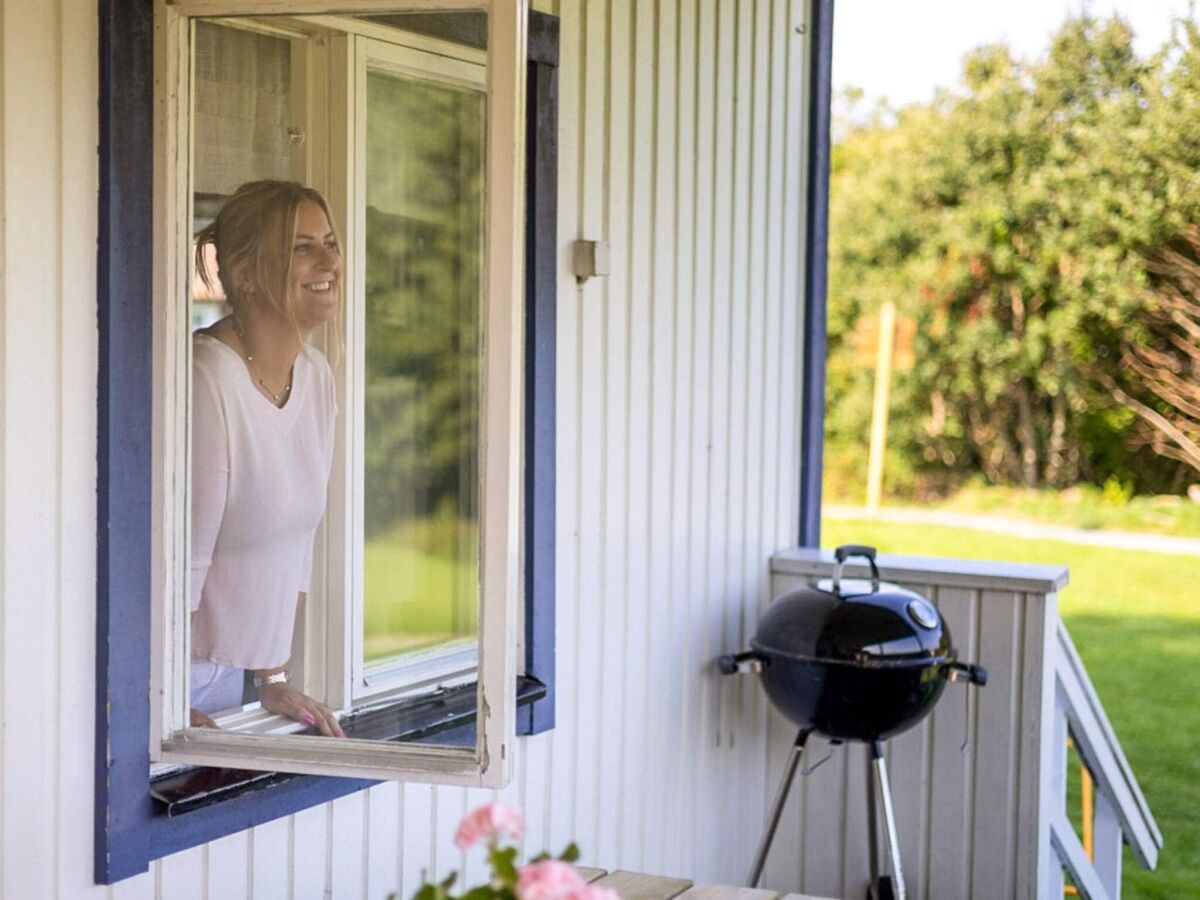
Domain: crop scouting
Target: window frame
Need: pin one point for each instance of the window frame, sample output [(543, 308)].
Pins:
[(130, 830), (368, 681), (489, 762)]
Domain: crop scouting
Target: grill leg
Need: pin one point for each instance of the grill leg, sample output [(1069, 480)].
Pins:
[(872, 821), (781, 795), (889, 819)]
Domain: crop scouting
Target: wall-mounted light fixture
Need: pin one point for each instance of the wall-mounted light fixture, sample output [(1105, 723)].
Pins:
[(590, 258)]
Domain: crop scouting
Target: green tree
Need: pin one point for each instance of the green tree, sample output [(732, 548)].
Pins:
[(1014, 221)]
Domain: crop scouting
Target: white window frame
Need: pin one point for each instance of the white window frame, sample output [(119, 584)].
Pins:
[(459, 67), (489, 762)]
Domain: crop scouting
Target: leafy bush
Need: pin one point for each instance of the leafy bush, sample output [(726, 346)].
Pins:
[(1017, 221)]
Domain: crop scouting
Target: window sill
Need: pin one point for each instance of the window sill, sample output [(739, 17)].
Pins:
[(447, 717)]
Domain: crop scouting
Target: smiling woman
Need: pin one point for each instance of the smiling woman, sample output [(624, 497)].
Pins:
[(258, 489)]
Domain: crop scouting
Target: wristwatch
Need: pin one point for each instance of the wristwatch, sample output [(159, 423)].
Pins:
[(273, 678)]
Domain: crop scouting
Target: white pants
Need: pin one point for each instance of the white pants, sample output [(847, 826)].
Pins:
[(216, 688)]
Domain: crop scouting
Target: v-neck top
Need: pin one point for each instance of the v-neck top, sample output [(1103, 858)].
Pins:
[(260, 474)]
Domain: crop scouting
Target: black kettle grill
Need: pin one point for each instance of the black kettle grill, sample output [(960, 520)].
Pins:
[(852, 660)]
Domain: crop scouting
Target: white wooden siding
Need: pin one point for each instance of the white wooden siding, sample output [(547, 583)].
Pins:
[(681, 144), (48, 61)]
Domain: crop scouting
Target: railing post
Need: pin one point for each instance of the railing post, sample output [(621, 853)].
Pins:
[(1056, 793), (1108, 843), (1041, 747)]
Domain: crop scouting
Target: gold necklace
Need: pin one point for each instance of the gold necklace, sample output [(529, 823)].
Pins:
[(246, 352)]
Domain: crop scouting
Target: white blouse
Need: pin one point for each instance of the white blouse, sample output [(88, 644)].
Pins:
[(259, 479)]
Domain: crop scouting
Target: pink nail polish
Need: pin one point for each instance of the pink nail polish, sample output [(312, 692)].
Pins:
[(309, 720)]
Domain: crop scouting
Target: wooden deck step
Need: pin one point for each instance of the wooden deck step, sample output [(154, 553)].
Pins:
[(726, 892), (730, 892), (635, 886)]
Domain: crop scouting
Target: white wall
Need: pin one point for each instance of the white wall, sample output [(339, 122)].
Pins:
[(681, 144)]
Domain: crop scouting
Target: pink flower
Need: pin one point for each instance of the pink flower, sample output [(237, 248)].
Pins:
[(489, 822), (551, 879)]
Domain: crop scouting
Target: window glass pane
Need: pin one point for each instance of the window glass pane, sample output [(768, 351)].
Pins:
[(424, 254), (242, 97), (242, 101)]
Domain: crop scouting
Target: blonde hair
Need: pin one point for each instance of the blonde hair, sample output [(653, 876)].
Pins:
[(253, 236)]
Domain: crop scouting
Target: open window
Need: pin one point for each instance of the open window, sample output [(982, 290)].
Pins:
[(409, 122)]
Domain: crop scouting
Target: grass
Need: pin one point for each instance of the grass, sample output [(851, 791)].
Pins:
[(1135, 618), (415, 596), (1082, 507)]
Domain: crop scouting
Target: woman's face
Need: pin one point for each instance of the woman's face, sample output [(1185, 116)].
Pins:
[(316, 268)]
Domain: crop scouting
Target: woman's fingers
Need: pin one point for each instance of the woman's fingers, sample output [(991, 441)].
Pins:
[(331, 727), (287, 701), (326, 721), (201, 720)]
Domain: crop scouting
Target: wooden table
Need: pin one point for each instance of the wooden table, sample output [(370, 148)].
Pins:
[(636, 886)]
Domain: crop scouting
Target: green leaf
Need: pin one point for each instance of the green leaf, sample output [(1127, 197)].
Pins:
[(504, 865), (571, 854)]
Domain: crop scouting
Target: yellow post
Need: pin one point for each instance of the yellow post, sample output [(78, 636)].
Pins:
[(1088, 798), (879, 411), (1087, 792)]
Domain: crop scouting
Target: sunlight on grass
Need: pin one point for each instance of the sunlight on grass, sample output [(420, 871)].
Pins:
[(1135, 618), (1082, 506), (415, 598)]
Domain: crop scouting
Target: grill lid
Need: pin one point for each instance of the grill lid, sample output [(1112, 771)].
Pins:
[(865, 623)]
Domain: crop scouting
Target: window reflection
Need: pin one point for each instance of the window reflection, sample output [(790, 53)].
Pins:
[(424, 221), (242, 103)]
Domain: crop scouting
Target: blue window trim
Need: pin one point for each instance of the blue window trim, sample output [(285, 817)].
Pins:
[(816, 251), (541, 289), (129, 832)]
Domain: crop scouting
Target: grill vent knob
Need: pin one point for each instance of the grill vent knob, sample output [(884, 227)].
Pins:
[(923, 614)]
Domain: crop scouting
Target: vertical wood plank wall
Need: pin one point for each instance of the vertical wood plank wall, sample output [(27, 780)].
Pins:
[(682, 145), (962, 812)]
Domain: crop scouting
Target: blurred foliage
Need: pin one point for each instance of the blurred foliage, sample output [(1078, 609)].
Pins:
[(423, 289), (1015, 219), (424, 255)]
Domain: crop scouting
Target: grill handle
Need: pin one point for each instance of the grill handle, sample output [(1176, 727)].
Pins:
[(732, 664), (972, 673), (843, 553)]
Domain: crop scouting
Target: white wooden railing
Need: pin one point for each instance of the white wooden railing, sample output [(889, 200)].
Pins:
[(980, 785), (1120, 813)]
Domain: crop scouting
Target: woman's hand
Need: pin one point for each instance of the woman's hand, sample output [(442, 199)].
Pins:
[(285, 700), (202, 720)]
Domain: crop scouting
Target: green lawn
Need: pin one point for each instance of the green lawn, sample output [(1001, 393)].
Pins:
[(1135, 618), (1083, 506), (415, 597)]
